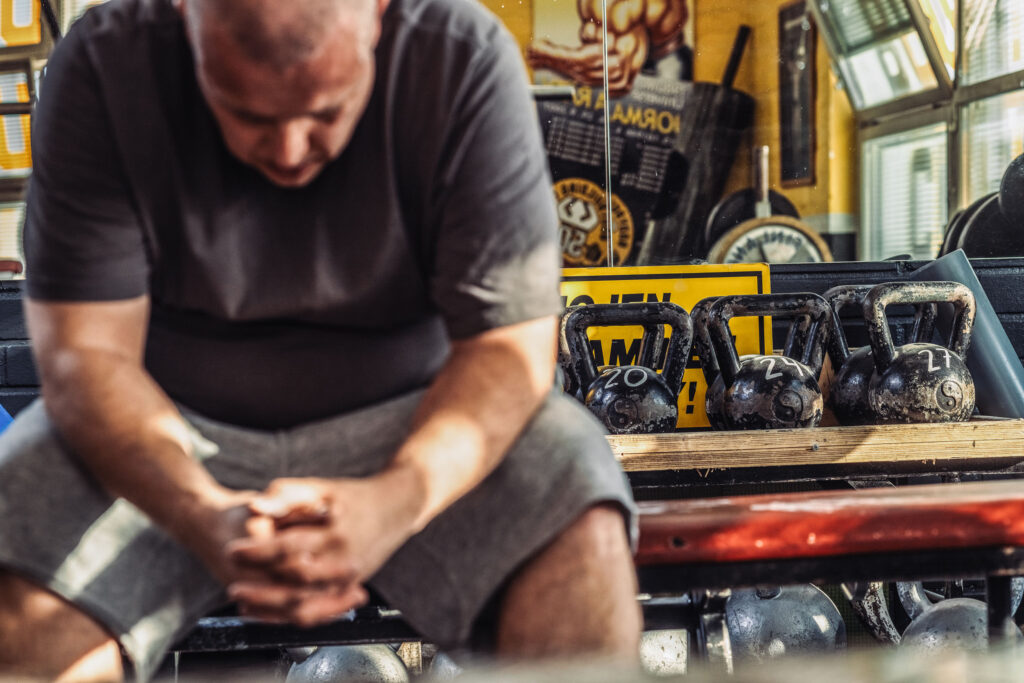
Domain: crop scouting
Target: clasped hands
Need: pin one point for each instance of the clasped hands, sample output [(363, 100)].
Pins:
[(307, 546)]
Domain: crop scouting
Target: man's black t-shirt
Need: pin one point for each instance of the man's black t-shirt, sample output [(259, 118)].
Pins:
[(273, 306)]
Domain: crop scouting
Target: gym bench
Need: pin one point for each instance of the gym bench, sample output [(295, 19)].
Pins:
[(691, 550)]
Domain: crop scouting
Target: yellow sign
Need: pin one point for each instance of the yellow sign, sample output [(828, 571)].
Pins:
[(682, 285), (19, 23)]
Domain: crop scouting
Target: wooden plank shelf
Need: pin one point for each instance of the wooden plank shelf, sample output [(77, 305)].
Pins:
[(920, 443)]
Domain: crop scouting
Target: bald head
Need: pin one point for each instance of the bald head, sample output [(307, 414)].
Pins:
[(278, 33), (286, 80)]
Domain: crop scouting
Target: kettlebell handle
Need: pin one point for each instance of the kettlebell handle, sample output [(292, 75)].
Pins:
[(907, 292), (839, 298), (652, 317), (702, 340), (786, 305), (850, 296)]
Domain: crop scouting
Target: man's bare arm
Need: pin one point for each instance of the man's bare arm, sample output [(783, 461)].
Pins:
[(490, 387), (121, 425)]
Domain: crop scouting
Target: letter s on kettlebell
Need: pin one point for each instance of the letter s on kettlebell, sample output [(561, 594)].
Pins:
[(920, 382), (769, 392), (633, 399)]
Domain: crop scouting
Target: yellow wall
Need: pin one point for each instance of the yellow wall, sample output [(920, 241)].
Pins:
[(837, 174), (517, 15)]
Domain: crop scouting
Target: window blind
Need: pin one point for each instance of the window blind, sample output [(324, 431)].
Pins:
[(993, 39), (904, 194)]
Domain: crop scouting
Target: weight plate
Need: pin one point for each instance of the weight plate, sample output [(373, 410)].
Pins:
[(988, 234), (1011, 191), (773, 239), (741, 206), (956, 226)]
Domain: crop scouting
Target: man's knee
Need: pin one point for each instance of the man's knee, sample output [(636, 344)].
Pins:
[(42, 634), (600, 530), (565, 425)]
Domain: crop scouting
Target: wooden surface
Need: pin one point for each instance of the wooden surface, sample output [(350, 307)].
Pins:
[(829, 523), (820, 446)]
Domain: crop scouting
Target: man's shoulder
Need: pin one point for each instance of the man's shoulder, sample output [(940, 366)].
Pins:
[(126, 19), (461, 21)]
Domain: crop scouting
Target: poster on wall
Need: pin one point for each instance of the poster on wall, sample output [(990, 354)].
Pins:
[(654, 37), (644, 166), (650, 66)]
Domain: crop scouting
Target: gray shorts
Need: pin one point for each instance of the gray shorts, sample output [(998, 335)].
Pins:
[(62, 530)]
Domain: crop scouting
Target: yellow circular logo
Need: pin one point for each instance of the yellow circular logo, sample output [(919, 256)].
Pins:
[(583, 224)]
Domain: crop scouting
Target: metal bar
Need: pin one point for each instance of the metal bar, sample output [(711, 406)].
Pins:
[(965, 94), (889, 566), (378, 624), (553, 92), (651, 485), (910, 121), (50, 17), (1001, 628), (902, 106), (931, 48), (15, 108), (366, 625), (609, 214)]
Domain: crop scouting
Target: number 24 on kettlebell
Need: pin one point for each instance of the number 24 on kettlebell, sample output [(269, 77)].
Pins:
[(768, 392)]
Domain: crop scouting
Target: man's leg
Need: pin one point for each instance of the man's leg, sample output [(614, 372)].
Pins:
[(577, 596), (43, 636), (63, 532)]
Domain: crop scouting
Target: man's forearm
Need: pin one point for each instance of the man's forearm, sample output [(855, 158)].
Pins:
[(129, 435), (472, 413)]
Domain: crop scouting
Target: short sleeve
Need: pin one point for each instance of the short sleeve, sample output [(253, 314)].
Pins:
[(83, 238), (496, 257)]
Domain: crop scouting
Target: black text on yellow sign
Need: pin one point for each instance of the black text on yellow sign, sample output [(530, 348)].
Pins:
[(681, 285)]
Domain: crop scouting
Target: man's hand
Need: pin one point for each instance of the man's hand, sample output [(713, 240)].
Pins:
[(208, 532), (330, 536)]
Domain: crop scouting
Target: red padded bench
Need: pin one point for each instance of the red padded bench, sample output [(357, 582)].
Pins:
[(939, 531)]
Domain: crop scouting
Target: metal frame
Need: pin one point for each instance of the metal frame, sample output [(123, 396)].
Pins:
[(916, 111), (932, 97)]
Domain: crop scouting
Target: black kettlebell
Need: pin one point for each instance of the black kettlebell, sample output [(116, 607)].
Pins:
[(920, 382), (651, 349), (1011, 193), (796, 337), (769, 392), (848, 393), (633, 399)]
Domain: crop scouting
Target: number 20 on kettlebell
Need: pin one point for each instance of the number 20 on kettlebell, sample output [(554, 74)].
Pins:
[(632, 399)]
